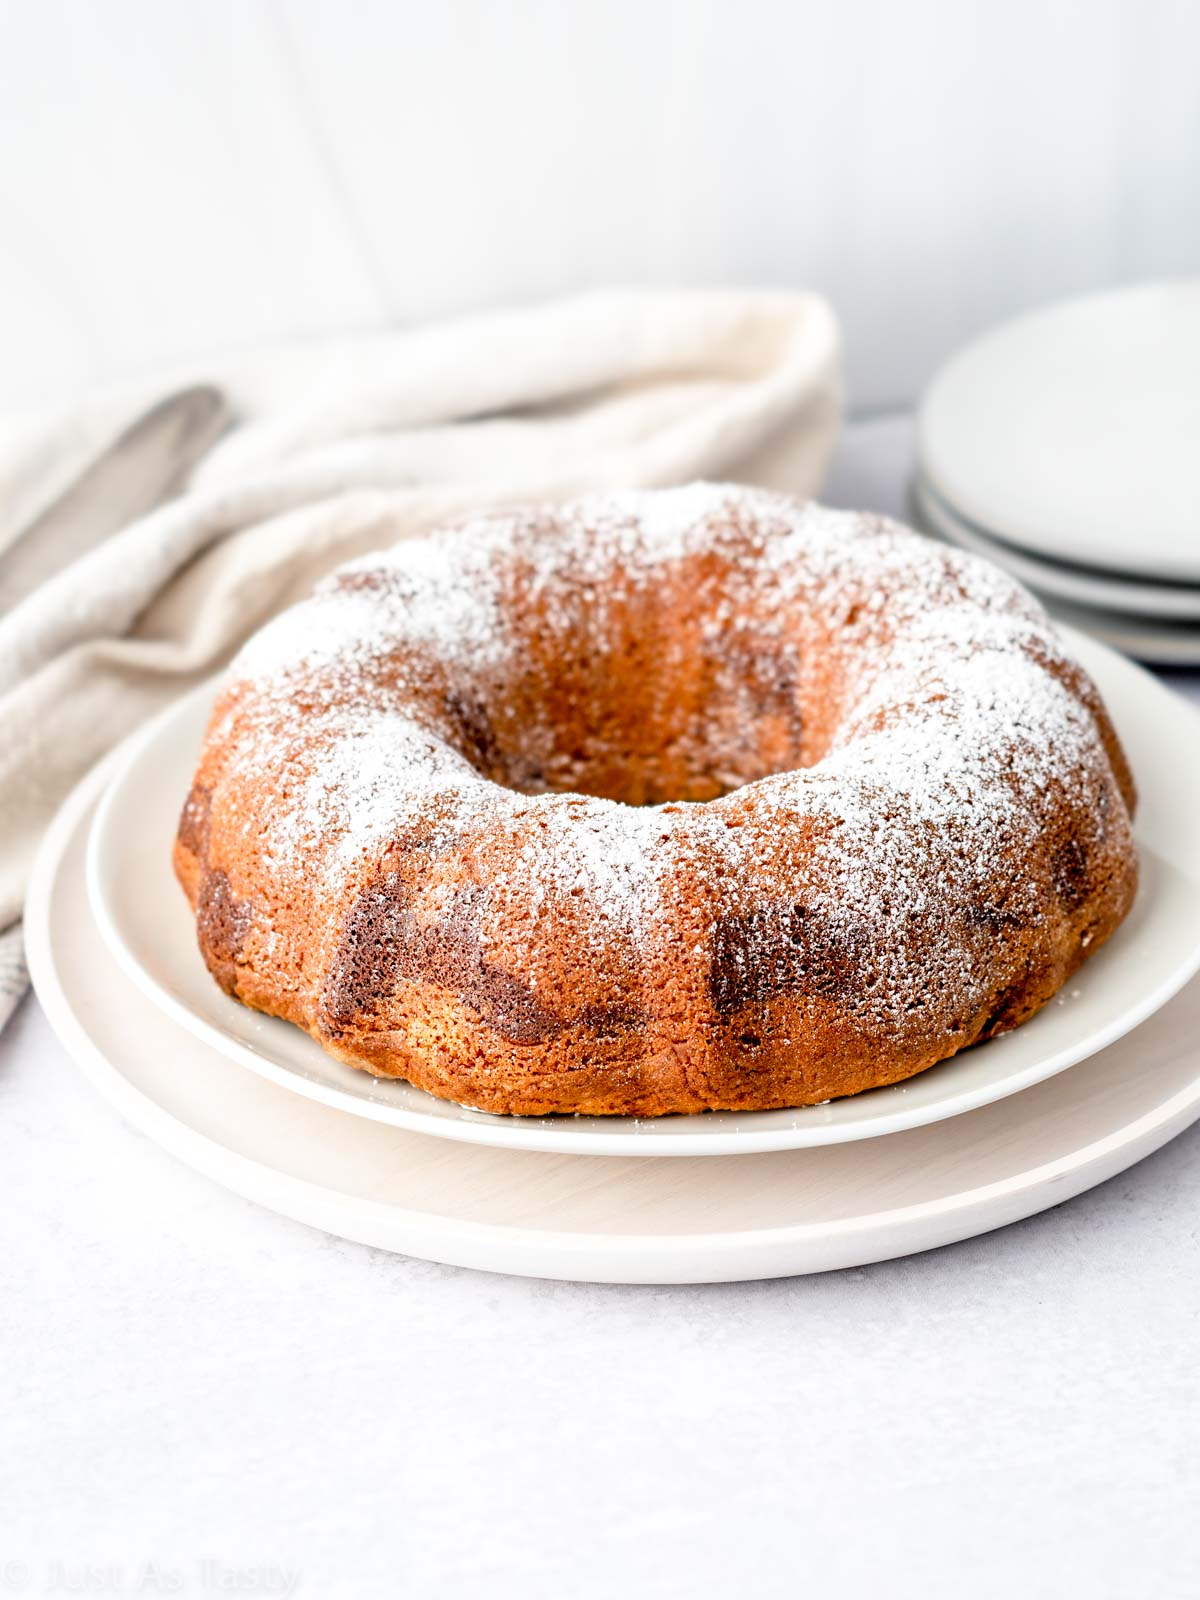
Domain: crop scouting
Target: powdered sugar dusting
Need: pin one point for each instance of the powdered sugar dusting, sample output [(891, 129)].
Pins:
[(372, 770), (960, 715), (415, 593), (663, 517)]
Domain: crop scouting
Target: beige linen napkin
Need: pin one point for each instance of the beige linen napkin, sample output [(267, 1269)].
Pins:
[(146, 533)]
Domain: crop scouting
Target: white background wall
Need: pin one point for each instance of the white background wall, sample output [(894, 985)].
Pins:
[(185, 175)]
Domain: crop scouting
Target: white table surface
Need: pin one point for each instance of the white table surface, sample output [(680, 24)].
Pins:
[(201, 1397)]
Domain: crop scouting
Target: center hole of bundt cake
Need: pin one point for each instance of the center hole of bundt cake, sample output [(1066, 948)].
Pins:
[(639, 681), (634, 730)]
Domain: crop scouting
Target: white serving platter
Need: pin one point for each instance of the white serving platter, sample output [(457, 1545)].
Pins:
[(601, 1219), (148, 927)]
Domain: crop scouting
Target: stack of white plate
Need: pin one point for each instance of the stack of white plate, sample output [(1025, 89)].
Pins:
[(1101, 1076), (1065, 446)]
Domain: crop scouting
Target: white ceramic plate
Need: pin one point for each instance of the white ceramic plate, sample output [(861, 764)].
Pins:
[(1165, 644), (1172, 603), (1073, 432), (145, 920), (601, 1219), (1161, 640)]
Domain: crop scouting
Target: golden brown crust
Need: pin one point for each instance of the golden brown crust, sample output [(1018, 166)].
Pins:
[(453, 950)]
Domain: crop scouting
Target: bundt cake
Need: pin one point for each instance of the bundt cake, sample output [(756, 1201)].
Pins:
[(654, 803)]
